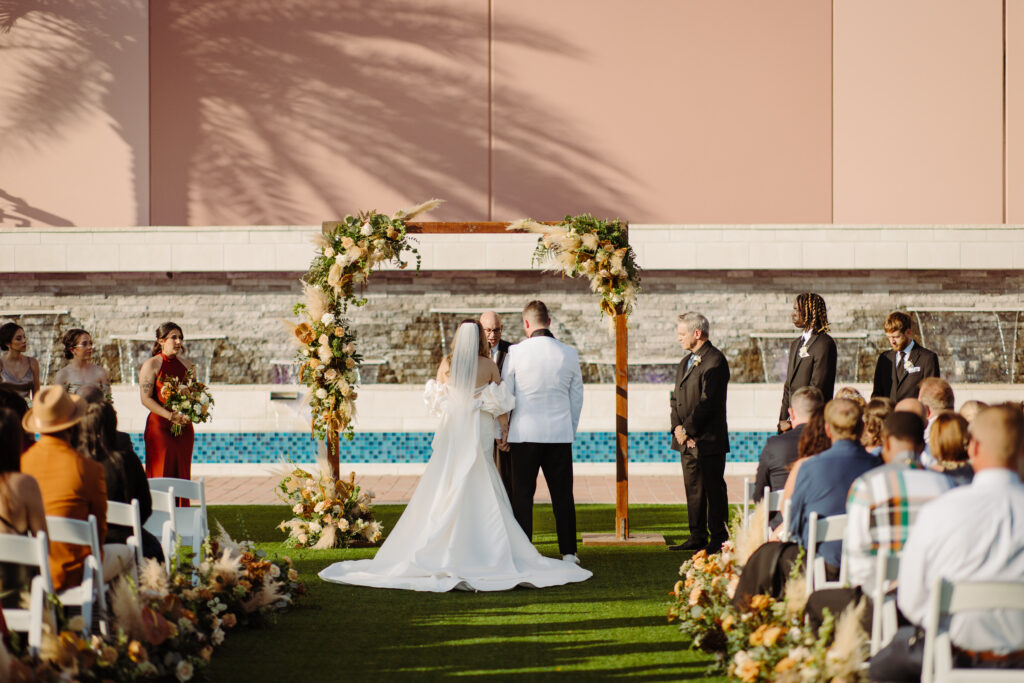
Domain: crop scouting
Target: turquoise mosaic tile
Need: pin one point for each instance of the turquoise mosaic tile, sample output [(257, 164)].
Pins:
[(399, 447)]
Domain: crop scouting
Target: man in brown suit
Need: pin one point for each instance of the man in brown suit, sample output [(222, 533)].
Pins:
[(72, 485)]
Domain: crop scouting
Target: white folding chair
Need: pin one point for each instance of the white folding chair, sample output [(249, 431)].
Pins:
[(950, 598), (774, 504), (130, 515), (748, 498), (161, 523), (31, 551), (823, 530), (90, 594), (190, 523), (884, 620)]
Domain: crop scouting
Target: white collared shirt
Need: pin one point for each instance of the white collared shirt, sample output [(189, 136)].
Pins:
[(903, 354), (495, 350), (972, 533), (807, 336)]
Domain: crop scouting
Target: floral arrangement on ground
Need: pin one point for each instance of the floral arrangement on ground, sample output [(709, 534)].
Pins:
[(767, 639), (347, 252), (329, 512), (168, 626), (187, 396), (593, 248)]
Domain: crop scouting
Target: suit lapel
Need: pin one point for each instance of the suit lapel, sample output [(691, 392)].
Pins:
[(799, 342), (794, 354), (892, 361), (689, 370)]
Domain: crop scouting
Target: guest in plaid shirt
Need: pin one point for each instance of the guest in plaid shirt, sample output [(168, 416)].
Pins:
[(883, 502)]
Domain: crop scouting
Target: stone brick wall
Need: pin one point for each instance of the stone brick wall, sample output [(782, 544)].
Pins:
[(398, 324)]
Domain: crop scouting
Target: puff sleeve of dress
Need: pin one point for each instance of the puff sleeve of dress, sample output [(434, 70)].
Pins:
[(496, 399), (435, 397)]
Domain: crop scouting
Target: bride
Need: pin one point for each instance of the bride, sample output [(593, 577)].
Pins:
[(458, 531)]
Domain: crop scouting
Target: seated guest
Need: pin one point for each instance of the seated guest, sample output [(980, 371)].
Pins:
[(936, 395), (912, 405), (884, 502), (814, 440), (13, 401), (852, 394), (780, 451), (949, 447), (877, 410), (970, 409), (72, 486), (99, 440), (21, 507), (824, 480), (971, 533)]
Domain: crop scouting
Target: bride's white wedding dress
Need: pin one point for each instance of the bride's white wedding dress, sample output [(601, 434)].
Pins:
[(458, 531)]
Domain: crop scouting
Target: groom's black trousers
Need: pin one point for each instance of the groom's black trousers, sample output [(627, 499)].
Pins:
[(555, 460)]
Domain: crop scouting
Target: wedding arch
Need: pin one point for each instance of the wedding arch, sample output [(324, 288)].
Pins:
[(350, 249)]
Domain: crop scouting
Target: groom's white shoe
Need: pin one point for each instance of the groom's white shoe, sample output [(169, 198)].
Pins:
[(570, 558)]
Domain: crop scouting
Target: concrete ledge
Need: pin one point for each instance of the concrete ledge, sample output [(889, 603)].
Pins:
[(659, 247)]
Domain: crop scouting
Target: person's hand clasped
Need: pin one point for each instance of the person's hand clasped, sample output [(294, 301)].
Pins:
[(179, 419)]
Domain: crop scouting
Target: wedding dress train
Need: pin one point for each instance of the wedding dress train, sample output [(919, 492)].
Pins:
[(458, 531)]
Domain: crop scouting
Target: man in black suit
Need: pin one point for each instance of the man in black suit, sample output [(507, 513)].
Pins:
[(700, 433), (899, 372), (780, 451), (812, 355), (498, 349)]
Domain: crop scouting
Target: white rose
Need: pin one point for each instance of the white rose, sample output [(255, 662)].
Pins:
[(366, 230), (328, 252), (314, 527), (328, 318), (183, 672), (342, 524), (217, 637), (321, 393), (303, 539), (205, 399), (297, 509)]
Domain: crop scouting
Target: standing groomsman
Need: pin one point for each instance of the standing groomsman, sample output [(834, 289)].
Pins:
[(812, 355), (899, 372), (700, 433)]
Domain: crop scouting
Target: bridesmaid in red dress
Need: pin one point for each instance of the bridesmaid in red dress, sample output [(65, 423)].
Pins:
[(166, 455)]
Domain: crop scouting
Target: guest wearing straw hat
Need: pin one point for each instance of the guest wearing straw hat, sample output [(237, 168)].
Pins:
[(72, 486)]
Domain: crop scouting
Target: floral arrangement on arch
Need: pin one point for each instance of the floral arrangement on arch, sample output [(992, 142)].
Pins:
[(593, 248), (167, 627), (187, 396), (347, 252), (769, 639), (328, 512)]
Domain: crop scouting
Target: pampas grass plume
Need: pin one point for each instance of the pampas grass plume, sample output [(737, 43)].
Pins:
[(850, 645), (124, 604), (316, 301), (750, 537), (409, 214), (328, 538), (796, 595), (153, 577)]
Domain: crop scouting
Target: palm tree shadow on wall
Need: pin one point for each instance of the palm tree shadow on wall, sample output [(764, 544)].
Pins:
[(276, 112), (77, 56)]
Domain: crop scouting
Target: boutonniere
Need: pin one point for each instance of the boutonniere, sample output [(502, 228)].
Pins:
[(909, 366), (803, 351), (696, 360)]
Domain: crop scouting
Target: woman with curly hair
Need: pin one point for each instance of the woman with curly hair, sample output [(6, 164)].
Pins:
[(812, 355), (875, 413)]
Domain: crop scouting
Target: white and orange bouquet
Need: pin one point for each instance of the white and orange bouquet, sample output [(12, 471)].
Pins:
[(327, 512), (187, 396)]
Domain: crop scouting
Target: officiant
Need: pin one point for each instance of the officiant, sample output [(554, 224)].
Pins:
[(498, 349)]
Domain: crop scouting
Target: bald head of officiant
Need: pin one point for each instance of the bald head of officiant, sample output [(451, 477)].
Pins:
[(491, 322)]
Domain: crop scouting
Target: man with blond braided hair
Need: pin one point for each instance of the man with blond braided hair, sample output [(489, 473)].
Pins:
[(812, 355)]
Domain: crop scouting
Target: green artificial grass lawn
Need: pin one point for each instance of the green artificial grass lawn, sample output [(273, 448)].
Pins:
[(610, 627)]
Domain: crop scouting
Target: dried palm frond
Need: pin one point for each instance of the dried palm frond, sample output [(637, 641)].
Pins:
[(750, 536), (317, 303), (124, 604), (530, 225), (320, 241), (225, 541), (850, 646), (268, 594), (409, 214), (225, 571)]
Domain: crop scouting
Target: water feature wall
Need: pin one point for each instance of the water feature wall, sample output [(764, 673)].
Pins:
[(971, 318)]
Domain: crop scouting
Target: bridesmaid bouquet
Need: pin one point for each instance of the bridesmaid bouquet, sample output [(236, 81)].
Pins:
[(187, 396)]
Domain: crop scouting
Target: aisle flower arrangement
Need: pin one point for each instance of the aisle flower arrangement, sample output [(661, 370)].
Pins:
[(346, 255), (328, 512), (187, 396), (585, 246), (167, 627), (768, 639)]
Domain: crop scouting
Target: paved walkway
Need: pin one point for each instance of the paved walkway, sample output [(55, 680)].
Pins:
[(398, 489)]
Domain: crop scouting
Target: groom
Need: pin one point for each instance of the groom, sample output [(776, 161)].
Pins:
[(544, 376)]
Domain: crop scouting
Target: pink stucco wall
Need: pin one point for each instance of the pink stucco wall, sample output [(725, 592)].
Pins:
[(192, 112)]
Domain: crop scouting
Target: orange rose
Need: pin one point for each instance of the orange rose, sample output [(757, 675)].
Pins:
[(748, 671), (757, 637), (759, 602), (771, 635), (304, 333), (784, 665), (728, 622)]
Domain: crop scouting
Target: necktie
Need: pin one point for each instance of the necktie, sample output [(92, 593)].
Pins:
[(900, 370)]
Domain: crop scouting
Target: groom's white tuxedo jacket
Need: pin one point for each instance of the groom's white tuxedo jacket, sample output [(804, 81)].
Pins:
[(544, 376)]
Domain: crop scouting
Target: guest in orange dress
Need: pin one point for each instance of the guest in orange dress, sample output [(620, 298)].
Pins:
[(166, 455)]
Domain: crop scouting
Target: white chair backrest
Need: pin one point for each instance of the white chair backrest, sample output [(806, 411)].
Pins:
[(31, 551), (161, 522), (190, 523), (92, 591), (183, 488), (748, 498), (950, 598), (130, 515), (883, 615), (823, 530), (75, 532), (773, 502)]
